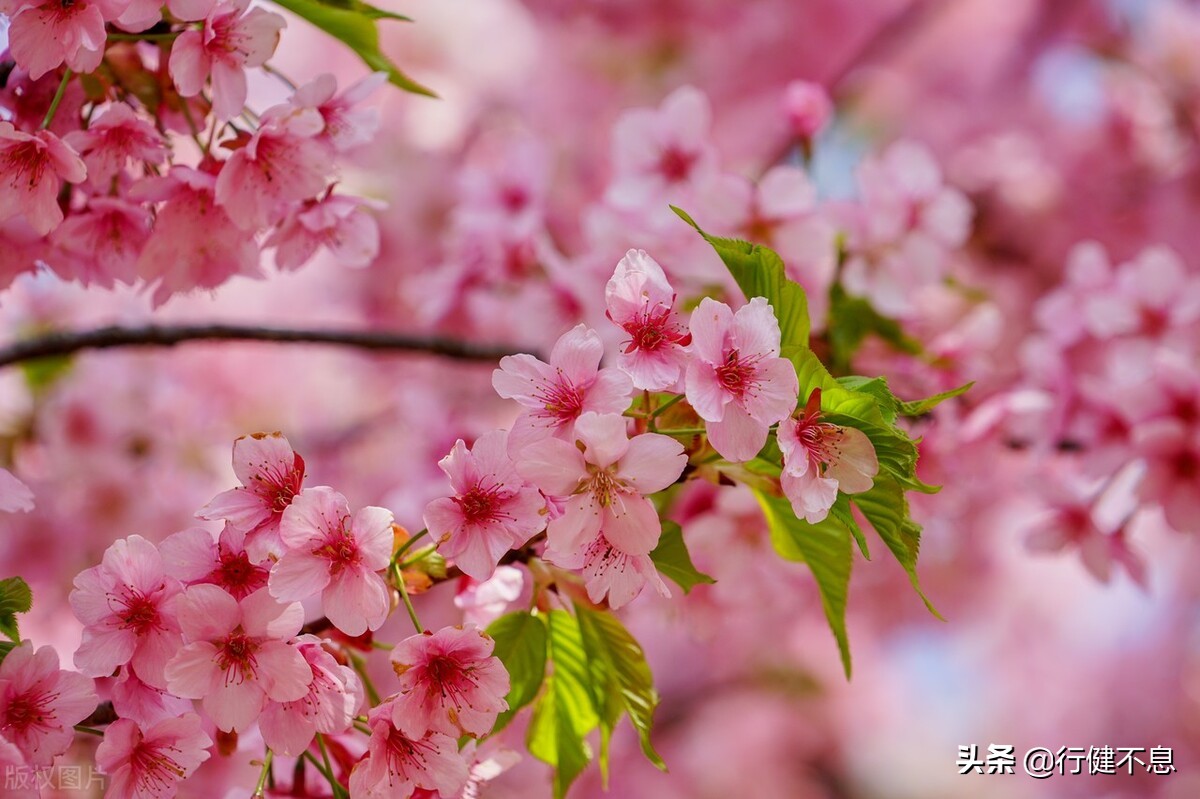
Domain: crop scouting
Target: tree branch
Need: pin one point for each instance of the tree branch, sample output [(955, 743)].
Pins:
[(68, 342)]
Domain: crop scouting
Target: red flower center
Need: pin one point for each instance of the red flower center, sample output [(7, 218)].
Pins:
[(236, 657), (26, 711), (136, 611), (735, 375), (675, 164), (563, 398), (479, 504)]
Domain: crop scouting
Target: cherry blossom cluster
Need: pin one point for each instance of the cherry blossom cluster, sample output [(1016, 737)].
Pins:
[(128, 155)]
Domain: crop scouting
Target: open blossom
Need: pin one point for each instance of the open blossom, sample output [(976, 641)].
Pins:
[(807, 108), (347, 125), (820, 459), (662, 154), (272, 474), (194, 243), (333, 699), (492, 511), (482, 602), (134, 699), (33, 167), (736, 380), (104, 241), (232, 40), (609, 571), (331, 553), (115, 137), (151, 762), (44, 35), (281, 164), (237, 656), (397, 764), (641, 302), (449, 682), (340, 224), (194, 556), (556, 393), (604, 485), (40, 704), (14, 495), (1171, 449), (126, 606)]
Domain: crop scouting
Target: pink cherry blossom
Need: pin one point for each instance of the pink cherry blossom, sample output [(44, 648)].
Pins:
[(237, 656), (736, 380), (449, 683), (660, 155), (272, 474), (396, 764), (105, 241), (126, 605), (151, 761), (333, 699), (492, 511), (346, 124), (232, 40), (281, 164), (604, 486), (194, 244), (331, 553), (641, 302), (46, 34), (33, 168), (340, 224), (556, 393), (40, 704), (134, 699), (820, 459), (193, 556), (1171, 449), (807, 108), (115, 137), (484, 602), (609, 571), (14, 495)]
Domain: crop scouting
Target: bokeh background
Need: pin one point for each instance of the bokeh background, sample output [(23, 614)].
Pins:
[(1061, 122)]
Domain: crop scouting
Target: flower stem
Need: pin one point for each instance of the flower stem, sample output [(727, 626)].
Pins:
[(408, 544), (143, 37), (89, 730), (360, 666), (338, 790), (412, 612), (266, 771), (58, 95), (657, 411), (684, 431)]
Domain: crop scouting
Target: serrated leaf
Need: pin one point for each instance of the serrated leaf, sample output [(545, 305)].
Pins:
[(841, 511), (353, 23), (521, 643), (621, 680), (15, 597), (877, 387), (759, 272), (825, 548), (886, 509), (923, 406), (566, 710), (672, 560)]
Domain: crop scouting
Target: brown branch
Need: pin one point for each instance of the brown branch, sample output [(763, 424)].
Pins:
[(68, 342)]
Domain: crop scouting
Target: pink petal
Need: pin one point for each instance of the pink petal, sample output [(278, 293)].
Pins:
[(283, 672), (553, 465), (263, 616), (711, 326), (297, 576), (577, 354), (652, 462), (604, 436), (207, 612), (193, 673), (356, 602), (738, 437), (631, 523)]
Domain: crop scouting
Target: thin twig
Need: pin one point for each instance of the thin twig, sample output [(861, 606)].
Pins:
[(68, 342)]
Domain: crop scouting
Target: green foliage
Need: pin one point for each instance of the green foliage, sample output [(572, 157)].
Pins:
[(353, 22), (15, 597), (672, 560), (865, 403), (521, 641), (5, 648), (825, 548), (598, 674)]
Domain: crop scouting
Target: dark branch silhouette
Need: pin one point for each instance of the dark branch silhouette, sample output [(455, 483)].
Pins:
[(68, 342)]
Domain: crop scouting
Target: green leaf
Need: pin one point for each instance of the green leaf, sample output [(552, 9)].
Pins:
[(672, 560), (621, 680), (566, 710), (521, 642), (353, 23), (877, 387), (885, 507), (759, 272), (841, 511), (15, 597), (5, 648), (825, 548), (852, 319), (923, 406)]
